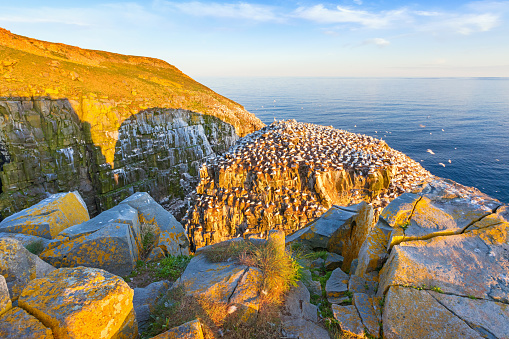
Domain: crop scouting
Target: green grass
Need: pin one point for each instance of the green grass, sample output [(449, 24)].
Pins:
[(35, 247), (169, 268), (437, 289), (279, 272)]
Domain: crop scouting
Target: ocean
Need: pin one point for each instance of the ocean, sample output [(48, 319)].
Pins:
[(457, 128)]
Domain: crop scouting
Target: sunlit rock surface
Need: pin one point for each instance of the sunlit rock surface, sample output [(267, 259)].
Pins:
[(287, 174), (104, 124)]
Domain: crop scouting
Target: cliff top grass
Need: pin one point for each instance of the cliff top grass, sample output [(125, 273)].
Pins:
[(34, 68)]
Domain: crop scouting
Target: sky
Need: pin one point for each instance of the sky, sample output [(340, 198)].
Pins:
[(348, 38)]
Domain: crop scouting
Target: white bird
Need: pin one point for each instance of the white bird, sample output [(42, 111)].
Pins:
[(430, 151), (441, 164)]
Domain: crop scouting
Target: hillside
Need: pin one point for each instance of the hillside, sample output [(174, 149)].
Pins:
[(104, 124)]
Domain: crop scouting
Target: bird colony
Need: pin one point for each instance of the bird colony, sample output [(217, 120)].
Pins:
[(288, 174)]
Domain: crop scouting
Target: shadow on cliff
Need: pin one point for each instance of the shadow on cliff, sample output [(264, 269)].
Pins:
[(46, 148)]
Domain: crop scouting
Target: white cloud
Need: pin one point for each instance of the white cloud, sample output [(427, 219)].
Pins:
[(358, 2), (380, 42), (383, 19), (240, 10), (472, 18)]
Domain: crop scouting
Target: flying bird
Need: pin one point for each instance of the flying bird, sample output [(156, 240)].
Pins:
[(441, 164), (430, 151)]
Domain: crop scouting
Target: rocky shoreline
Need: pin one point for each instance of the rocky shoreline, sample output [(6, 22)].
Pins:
[(430, 263)]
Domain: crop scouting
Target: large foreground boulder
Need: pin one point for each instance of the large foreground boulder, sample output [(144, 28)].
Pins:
[(82, 302), (19, 266), (49, 217), (113, 240), (171, 235)]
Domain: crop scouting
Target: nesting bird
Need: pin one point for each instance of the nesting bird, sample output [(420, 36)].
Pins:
[(290, 173)]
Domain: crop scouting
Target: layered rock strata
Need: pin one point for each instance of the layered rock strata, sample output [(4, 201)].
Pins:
[(47, 148), (287, 174), (104, 124)]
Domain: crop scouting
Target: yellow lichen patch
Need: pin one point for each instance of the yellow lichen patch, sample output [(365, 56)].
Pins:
[(399, 211), (129, 329), (16, 323), (494, 235), (5, 300), (189, 330), (79, 302), (372, 252), (49, 217)]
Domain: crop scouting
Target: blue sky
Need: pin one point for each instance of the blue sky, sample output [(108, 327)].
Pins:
[(283, 38)]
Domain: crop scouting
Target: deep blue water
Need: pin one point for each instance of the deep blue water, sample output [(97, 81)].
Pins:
[(464, 120)]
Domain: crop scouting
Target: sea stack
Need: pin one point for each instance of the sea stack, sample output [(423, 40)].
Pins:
[(286, 175)]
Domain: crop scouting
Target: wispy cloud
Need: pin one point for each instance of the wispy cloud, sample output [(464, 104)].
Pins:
[(380, 42), (240, 10), (475, 17), (321, 14)]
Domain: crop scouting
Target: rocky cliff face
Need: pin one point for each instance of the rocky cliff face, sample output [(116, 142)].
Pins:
[(46, 148), (287, 174), (104, 124)]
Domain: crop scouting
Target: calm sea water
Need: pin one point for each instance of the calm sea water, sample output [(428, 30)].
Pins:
[(463, 121)]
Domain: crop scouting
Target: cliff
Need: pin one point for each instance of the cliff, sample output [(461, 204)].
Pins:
[(104, 124), (285, 175)]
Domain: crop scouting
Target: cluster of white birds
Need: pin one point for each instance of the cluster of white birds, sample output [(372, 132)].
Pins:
[(270, 173)]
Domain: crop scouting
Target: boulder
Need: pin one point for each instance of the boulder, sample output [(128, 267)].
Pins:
[(440, 217), (49, 217), (399, 211), (333, 261), (19, 266), (26, 239), (337, 286), (18, 324), (367, 313), (470, 264), (121, 214), (81, 302), (189, 330), (299, 317), (373, 252), (353, 239), (5, 299), (156, 254), (360, 285), (215, 280), (172, 236), (313, 286), (319, 234), (145, 300), (410, 313), (489, 318), (349, 320), (111, 248), (247, 294)]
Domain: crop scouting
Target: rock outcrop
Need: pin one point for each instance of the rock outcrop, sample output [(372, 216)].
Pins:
[(81, 303), (287, 174), (113, 239), (104, 124)]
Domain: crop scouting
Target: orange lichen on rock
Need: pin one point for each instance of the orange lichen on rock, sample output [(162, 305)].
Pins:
[(80, 303), (48, 217), (17, 323), (189, 330)]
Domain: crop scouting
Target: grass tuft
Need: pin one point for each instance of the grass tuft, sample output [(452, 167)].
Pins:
[(35, 247)]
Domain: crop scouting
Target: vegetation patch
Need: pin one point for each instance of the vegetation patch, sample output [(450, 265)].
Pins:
[(35, 247), (279, 272), (169, 268)]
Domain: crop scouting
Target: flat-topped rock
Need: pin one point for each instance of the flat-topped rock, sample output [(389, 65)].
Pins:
[(48, 217), (111, 248), (349, 320), (80, 303), (214, 280), (18, 324), (410, 313), (447, 263), (189, 330), (337, 286)]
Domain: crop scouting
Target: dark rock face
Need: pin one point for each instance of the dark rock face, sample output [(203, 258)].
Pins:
[(45, 147), (288, 174)]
